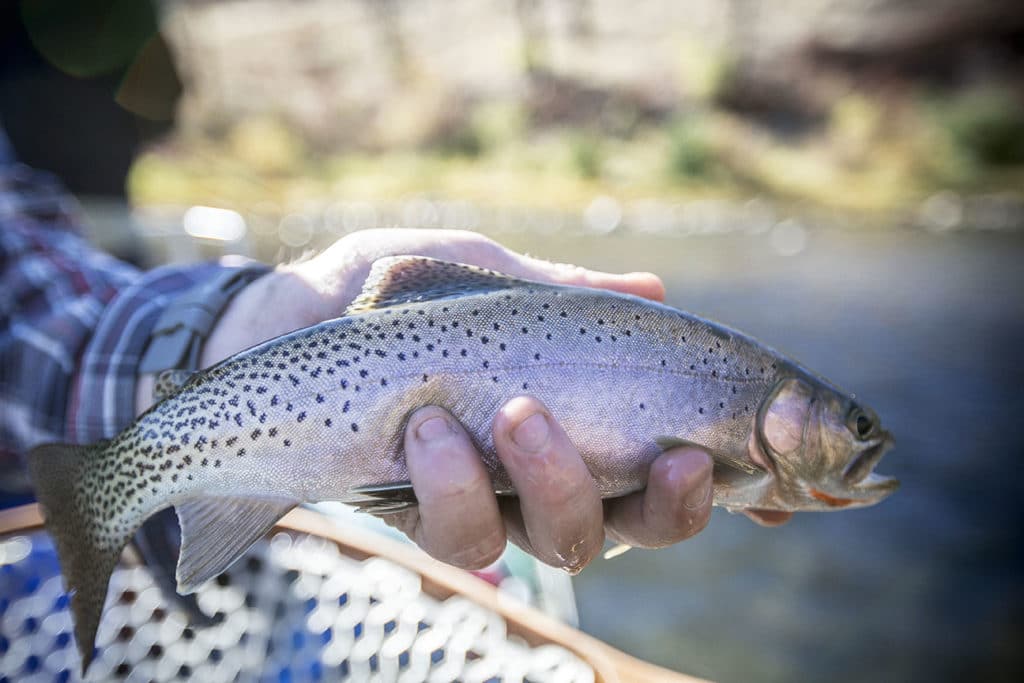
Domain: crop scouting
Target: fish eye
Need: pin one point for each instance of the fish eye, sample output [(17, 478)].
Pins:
[(861, 424)]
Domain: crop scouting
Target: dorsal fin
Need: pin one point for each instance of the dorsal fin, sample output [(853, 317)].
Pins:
[(396, 280)]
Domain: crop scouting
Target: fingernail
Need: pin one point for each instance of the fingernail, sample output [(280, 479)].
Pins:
[(532, 433), (697, 463), (433, 429)]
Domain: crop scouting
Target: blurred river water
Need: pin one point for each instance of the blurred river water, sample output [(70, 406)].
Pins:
[(927, 329)]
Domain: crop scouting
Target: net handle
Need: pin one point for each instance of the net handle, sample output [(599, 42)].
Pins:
[(441, 581)]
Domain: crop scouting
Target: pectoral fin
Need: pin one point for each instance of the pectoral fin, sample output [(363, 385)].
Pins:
[(720, 459), (384, 499), (216, 531)]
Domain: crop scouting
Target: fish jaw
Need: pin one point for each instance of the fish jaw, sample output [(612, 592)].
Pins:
[(860, 485), (806, 478)]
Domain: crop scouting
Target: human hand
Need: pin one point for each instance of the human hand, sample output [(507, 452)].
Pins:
[(558, 516)]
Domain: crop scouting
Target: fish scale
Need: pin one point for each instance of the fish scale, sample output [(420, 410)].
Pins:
[(319, 414)]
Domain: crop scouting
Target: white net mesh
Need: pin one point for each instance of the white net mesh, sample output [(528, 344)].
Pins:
[(293, 609)]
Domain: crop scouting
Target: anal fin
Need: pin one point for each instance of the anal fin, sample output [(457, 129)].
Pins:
[(217, 530), (158, 542)]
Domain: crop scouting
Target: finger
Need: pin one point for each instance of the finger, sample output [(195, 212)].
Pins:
[(458, 520), (560, 505), (769, 517), (515, 527), (675, 505), (470, 247), (647, 285)]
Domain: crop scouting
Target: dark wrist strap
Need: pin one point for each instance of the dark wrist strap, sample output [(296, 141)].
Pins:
[(179, 333)]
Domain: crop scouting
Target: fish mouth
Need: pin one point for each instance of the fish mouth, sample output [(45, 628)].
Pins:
[(860, 474)]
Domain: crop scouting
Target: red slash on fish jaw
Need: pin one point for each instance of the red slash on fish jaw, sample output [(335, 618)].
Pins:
[(831, 501)]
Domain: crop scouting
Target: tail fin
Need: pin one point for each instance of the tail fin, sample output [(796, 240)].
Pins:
[(88, 545)]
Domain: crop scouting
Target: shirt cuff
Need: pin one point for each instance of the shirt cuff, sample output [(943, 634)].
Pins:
[(102, 401)]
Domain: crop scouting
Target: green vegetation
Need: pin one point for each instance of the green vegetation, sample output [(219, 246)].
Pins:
[(690, 153), (868, 154), (985, 125), (587, 156)]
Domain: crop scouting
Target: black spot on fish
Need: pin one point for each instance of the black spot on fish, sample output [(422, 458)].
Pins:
[(355, 427)]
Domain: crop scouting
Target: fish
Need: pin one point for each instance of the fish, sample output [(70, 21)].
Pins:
[(319, 414)]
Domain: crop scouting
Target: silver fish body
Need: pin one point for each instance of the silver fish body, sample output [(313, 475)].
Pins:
[(319, 415)]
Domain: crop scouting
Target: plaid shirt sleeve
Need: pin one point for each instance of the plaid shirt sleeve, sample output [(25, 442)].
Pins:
[(73, 322)]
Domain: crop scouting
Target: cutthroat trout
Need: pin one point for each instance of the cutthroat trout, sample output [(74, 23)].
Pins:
[(319, 415)]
